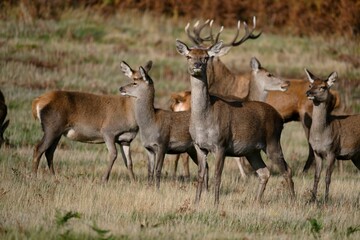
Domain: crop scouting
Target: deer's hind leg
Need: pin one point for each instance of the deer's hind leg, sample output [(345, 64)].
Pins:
[(126, 155), (49, 154), (274, 152), (47, 144), (262, 171), (112, 155)]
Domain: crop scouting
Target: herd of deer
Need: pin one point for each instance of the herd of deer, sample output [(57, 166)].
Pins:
[(225, 114)]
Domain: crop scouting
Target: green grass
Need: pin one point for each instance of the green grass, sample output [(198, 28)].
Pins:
[(82, 51)]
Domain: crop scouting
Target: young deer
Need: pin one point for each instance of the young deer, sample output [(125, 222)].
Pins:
[(3, 113), (331, 137), (292, 104), (181, 102), (261, 83), (88, 118), (230, 128), (161, 132)]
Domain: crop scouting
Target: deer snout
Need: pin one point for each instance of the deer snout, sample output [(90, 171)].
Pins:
[(122, 91), (285, 85), (309, 95)]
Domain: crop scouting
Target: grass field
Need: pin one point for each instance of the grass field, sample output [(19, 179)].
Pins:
[(82, 51)]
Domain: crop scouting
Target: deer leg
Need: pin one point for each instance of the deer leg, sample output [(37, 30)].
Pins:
[(177, 157), (49, 154), (306, 123), (310, 159), (110, 144), (193, 154), (185, 162), (263, 172), (202, 158), (45, 143), (151, 164), (220, 159), (240, 164), (318, 169), (126, 155), (329, 171), (341, 166), (275, 153), (160, 155)]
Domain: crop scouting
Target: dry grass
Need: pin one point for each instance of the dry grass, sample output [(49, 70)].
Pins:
[(84, 54)]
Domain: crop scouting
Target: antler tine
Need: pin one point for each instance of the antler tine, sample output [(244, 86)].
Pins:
[(197, 28), (218, 34), (197, 31), (192, 38), (248, 34)]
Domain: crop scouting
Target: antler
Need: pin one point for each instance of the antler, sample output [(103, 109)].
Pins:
[(248, 34), (198, 40), (197, 28)]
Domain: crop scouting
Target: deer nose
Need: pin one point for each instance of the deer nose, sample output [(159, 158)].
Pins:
[(308, 93), (122, 90), (197, 65)]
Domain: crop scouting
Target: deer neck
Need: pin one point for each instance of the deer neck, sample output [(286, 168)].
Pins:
[(320, 117), (200, 98), (256, 90), (217, 76), (144, 110)]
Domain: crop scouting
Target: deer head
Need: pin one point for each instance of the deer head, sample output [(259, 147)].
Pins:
[(319, 89), (132, 74), (140, 85), (263, 77), (197, 58)]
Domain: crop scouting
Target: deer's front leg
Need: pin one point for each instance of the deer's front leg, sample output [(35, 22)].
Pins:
[(220, 159), (331, 164), (318, 168), (151, 164), (202, 158), (159, 157)]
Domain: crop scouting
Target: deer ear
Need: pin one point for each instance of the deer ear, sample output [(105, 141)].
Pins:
[(224, 51), (145, 76), (148, 66), (182, 48), (310, 76), (255, 64), (331, 79), (126, 69), (215, 49)]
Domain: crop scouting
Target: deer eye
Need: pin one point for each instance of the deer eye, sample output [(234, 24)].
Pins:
[(134, 84), (269, 75)]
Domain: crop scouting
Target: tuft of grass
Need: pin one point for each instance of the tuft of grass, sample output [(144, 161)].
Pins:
[(315, 227), (62, 219), (352, 230)]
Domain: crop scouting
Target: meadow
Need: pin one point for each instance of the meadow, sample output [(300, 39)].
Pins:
[(82, 51)]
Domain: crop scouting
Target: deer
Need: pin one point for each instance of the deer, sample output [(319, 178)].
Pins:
[(292, 104), (3, 113), (181, 102), (261, 83), (161, 131), (331, 137), (227, 127), (85, 117)]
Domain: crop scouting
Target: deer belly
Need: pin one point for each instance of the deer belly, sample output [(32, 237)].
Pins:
[(88, 135)]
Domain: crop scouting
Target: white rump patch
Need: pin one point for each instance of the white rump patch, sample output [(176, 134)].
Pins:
[(71, 134)]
